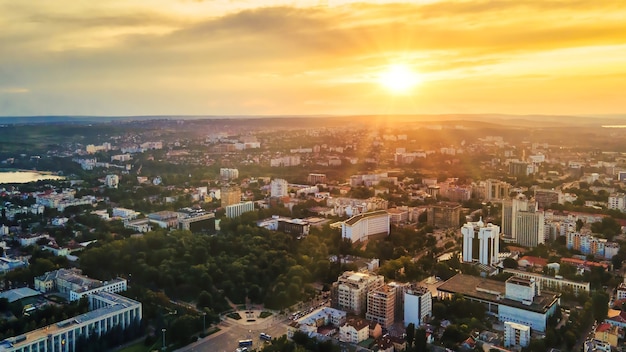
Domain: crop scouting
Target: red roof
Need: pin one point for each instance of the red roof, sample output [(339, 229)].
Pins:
[(534, 261), (603, 327), (583, 262)]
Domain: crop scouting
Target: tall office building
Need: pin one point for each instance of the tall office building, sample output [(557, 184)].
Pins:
[(444, 215), (279, 188), (522, 222), (488, 237), (230, 195)]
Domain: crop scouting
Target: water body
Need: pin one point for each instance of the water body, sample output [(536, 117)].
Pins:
[(26, 176)]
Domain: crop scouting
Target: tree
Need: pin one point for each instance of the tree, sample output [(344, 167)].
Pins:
[(420, 340), (410, 334), (600, 304), (510, 263)]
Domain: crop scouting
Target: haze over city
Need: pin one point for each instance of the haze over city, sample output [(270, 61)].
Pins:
[(135, 57)]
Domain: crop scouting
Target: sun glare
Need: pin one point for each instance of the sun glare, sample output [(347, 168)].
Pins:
[(399, 78)]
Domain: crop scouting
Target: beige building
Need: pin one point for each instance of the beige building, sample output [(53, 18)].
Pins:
[(444, 215), (354, 330), (230, 196), (381, 305), (350, 291)]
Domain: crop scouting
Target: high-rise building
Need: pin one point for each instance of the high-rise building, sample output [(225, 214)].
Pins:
[(381, 304), (279, 188), (418, 305), (516, 334), (522, 222), (314, 179), (230, 195), (617, 201), (235, 210), (360, 227), (229, 174), (547, 197), (349, 292), (488, 237), (496, 189), (444, 215)]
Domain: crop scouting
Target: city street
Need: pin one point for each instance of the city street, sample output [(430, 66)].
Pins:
[(226, 340)]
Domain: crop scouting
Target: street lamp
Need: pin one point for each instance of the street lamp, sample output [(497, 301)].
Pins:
[(163, 331), (203, 322)]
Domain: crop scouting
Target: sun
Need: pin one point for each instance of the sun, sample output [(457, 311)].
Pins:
[(399, 78)]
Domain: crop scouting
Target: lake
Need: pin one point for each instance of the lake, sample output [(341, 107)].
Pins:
[(26, 176)]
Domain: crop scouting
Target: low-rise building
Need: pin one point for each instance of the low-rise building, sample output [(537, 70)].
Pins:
[(355, 330), (516, 334), (361, 227)]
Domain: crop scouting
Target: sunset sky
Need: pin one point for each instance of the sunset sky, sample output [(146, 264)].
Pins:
[(221, 57)]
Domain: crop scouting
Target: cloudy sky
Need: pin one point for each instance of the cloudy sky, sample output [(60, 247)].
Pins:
[(234, 57)]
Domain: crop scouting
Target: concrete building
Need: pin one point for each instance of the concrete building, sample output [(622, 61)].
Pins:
[(164, 219), (229, 174), (349, 292), (107, 311), (444, 215), (235, 210), (314, 179), (621, 291), (605, 332), (547, 197), (381, 305), (125, 214), (309, 323), (418, 305), (557, 283), (496, 190), (398, 216), (488, 237), (355, 330), (230, 195), (296, 227), (196, 220), (279, 188), (361, 227), (111, 181), (74, 285), (516, 334), (589, 244), (518, 300), (523, 223)]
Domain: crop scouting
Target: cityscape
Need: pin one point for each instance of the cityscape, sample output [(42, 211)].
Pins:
[(323, 176)]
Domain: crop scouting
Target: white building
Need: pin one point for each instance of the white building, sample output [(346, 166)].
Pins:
[(312, 321), (235, 210), (279, 188), (229, 174), (516, 334), (107, 311), (617, 201), (360, 227), (418, 305), (349, 292), (489, 246), (125, 214), (355, 330), (112, 181), (523, 222)]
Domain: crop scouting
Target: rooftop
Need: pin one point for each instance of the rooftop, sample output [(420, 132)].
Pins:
[(353, 220)]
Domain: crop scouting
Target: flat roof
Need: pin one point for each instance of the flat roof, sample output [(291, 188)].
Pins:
[(494, 291), (19, 293), (353, 220)]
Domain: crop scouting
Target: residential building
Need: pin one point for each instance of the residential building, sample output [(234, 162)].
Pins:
[(398, 216), (229, 174), (489, 242), (496, 190), (547, 197), (617, 201), (314, 179), (349, 292), (235, 210), (361, 227), (418, 305), (589, 244), (111, 181), (516, 334), (621, 291), (321, 317), (289, 160), (381, 305), (279, 188), (355, 330), (605, 332), (444, 215), (230, 195), (107, 311)]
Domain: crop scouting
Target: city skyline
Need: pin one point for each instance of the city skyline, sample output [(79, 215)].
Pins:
[(316, 57)]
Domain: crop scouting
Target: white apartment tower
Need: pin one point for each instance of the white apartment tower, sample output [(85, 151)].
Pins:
[(418, 304), (489, 242), (112, 181), (279, 188), (229, 174), (516, 334)]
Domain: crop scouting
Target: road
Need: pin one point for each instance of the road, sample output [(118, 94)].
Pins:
[(232, 331)]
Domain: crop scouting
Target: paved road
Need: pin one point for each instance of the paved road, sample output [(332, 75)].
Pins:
[(232, 331)]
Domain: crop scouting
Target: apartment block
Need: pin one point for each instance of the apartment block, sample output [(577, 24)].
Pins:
[(381, 305), (349, 292)]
